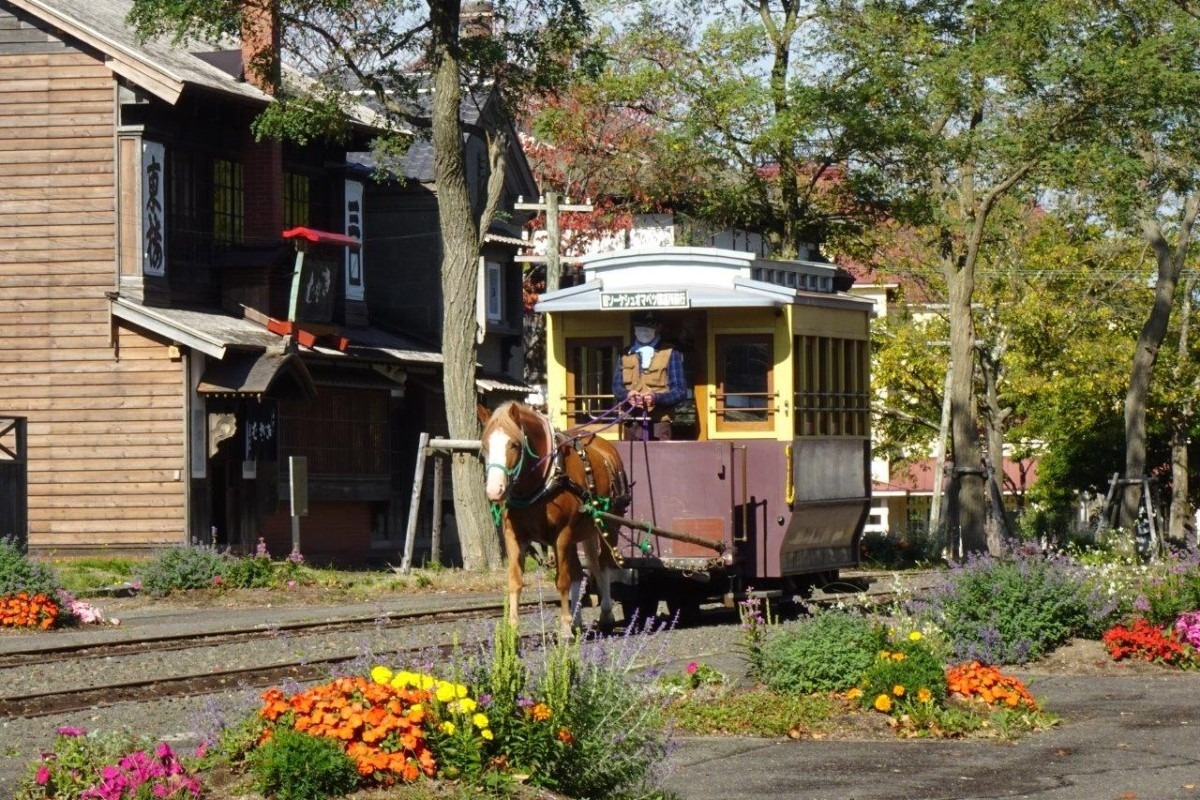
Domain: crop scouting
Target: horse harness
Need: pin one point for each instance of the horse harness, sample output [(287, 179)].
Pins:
[(557, 480)]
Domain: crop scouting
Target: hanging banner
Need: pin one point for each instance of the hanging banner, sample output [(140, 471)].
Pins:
[(154, 233), (354, 227)]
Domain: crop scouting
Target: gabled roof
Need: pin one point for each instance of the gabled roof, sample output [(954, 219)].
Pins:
[(159, 67)]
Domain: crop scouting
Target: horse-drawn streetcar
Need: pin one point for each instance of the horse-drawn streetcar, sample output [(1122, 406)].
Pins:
[(762, 479)]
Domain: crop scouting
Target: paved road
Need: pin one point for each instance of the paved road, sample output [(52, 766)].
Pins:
[(1123, 738)]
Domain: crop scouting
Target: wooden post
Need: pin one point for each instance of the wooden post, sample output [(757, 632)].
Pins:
[(435, 546), (414, 509)]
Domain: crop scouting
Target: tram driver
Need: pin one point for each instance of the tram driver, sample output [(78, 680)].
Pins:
[(649, 376)]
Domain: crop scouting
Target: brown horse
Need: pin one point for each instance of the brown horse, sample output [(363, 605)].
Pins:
[(544, 482)]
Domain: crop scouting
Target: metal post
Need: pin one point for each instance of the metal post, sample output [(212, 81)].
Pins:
[(414, 508)]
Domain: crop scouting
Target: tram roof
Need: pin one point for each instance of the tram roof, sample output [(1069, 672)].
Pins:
[(695, 277)]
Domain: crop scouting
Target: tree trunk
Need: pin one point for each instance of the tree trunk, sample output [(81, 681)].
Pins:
[(1170, 264), (460, 278), (967, 483), (1181, 507), (995, 422)]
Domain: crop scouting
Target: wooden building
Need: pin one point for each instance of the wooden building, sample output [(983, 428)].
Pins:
[(164, 353)]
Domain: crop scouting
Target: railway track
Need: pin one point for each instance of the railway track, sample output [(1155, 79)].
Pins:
[(117, 658)]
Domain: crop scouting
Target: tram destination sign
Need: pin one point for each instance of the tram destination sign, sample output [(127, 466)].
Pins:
[(623, 300)]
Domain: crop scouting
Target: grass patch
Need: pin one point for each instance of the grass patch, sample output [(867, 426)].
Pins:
[(754, 712), (93, 574)]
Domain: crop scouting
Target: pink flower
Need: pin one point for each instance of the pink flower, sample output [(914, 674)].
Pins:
[(692, 667), (43, 776), (70, 732)]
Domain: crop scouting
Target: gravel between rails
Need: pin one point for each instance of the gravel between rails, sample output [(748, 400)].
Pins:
[(183, 723)]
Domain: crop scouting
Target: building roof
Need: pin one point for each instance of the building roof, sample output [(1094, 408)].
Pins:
[(695, 277), (916, 477), (158, 66), (216, 334)]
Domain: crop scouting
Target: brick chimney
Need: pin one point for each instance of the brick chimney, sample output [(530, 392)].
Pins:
[(262, 166), (261, 44), (478, 18)]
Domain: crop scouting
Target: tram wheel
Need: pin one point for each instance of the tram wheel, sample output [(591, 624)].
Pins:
[(640, 601), (684, 611)]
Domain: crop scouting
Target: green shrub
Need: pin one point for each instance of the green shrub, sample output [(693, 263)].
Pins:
[(907, 673), (182, 568), (570, 715), (1015, 608), (19, 573), (297, 766), (250, 572), (828, 652), (1165, 596)]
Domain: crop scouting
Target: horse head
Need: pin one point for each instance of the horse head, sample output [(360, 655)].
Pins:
[(517, 445)]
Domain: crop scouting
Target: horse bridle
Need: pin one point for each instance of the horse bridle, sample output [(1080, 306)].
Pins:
[(514, 472)]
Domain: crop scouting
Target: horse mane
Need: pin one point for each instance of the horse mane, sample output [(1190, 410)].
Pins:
[(504, 418)]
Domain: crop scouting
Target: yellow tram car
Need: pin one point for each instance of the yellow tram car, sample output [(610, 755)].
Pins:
[(765, 480)]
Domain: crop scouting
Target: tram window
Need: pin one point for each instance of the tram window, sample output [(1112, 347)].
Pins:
[(745, 384), (832, 396), (590, 365)]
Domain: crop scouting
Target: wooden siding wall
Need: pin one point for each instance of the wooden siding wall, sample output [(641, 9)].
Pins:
[(106, 447)]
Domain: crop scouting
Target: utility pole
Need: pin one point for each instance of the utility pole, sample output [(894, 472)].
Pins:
[(551, 206)]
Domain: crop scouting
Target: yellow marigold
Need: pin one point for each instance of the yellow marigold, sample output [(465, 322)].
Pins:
[(487, 734), (854, 693), (381, 674), (460, 691), (445, 692), (915, 636), (898, 690), (924, 695), (884, 655), (466, 705), (883, 703), (480, 721), (447, 728)]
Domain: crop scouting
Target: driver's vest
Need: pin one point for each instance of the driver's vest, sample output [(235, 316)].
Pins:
[(652, 379)]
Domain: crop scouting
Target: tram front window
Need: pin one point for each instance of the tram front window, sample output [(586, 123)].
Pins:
[(590, 364), (744, 390)]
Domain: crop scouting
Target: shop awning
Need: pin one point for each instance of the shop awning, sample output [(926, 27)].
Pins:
[(254, 373)]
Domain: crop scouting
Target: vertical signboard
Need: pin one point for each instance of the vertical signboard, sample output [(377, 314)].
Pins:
[(354, 227), (154, 232)]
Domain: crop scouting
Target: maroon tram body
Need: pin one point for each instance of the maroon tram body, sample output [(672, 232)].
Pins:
[(765, 483)]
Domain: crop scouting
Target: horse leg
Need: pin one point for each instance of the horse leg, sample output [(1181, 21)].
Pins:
[(603, 579), (515, 554), (566, 579)]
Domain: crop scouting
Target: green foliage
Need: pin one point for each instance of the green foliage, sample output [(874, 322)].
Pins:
[(88, 574), (1169, 593), (181, 568), (297, 766), (909, 673), (20, 573), (825, 653), (1016, 608), (251, 572), (757, 712), (898, 550)]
